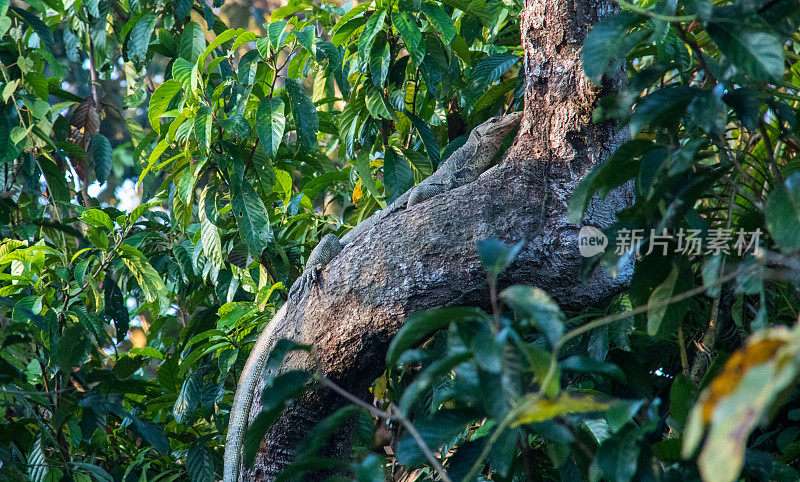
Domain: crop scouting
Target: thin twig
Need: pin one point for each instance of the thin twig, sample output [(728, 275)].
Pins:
[(399, 416)]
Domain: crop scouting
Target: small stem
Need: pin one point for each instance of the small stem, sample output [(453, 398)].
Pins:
[(399, 416)]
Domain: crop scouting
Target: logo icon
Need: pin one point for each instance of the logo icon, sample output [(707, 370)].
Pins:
[(591, 241)]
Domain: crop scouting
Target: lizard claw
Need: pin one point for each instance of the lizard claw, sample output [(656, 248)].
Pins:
[(311, 277)]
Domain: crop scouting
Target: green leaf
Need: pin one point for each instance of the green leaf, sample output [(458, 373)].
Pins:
[(182, 72), (212, 244), (436, 430), (236, 125), (182, 9), (440, 20), (490, 69), (304, 113), (220, 39), (202, 129), (102, 155), (248, 66), (662, 320), (412, 37), (371, 29), (488, 353), (379, 61), (72, 348), (96, 217), (782, 213), (193, 42), (188, 398), (536, 306), (200, 463), (305, 37), (428, 138), (139, 39), (148, 278), (618, 458), (619, 168), (160, 100), (42, 30), (430, 377), (606, 44), (278, 33), (750, 44), (496, 256), (419, 326), (251, 216), (664, 107), (152, 433), (270, 124), (375, 103), (397, 175), (38, 468)]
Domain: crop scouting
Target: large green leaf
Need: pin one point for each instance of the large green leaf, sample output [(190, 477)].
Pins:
[(661, 320), (428, 138), (200, 463), (251, 216), (605, 46), (160, 100), (139, 39), (750, 44), (38, 26), (533, 305), (375, 103), (397, 175), (304, 112), (371, 29), (440, 20), (491, 69), (270, 124), (148, 278), (188, 398), (782, 213), (102, 155), (412, 37), (419, 325), (202, 128), (193, 42), (379, 61), (212, 244)]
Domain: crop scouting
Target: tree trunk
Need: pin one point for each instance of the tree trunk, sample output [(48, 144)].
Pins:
[(425, 256)]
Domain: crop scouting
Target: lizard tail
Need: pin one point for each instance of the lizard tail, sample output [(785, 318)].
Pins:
[(240, 410)]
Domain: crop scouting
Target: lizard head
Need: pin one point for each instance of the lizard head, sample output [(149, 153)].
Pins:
[(496, 128)]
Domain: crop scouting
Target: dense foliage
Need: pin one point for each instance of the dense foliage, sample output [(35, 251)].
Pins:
[(123, 330)]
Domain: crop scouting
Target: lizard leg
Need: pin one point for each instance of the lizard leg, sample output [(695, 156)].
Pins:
[(327, 249), (423, 192)]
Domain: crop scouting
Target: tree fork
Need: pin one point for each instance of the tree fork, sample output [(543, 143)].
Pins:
[(425, 256)]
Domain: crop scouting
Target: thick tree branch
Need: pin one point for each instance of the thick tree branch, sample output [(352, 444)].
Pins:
[(425, 256)]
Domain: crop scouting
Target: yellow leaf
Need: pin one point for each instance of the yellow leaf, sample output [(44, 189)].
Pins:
[(536, 409)]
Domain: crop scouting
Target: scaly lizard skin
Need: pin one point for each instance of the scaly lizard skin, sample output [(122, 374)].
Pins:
[(462, 167)]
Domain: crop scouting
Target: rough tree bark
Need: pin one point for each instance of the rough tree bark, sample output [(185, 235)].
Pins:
[(425, 257)]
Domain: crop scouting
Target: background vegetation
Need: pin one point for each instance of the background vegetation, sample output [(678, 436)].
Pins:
[(124, 327)]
